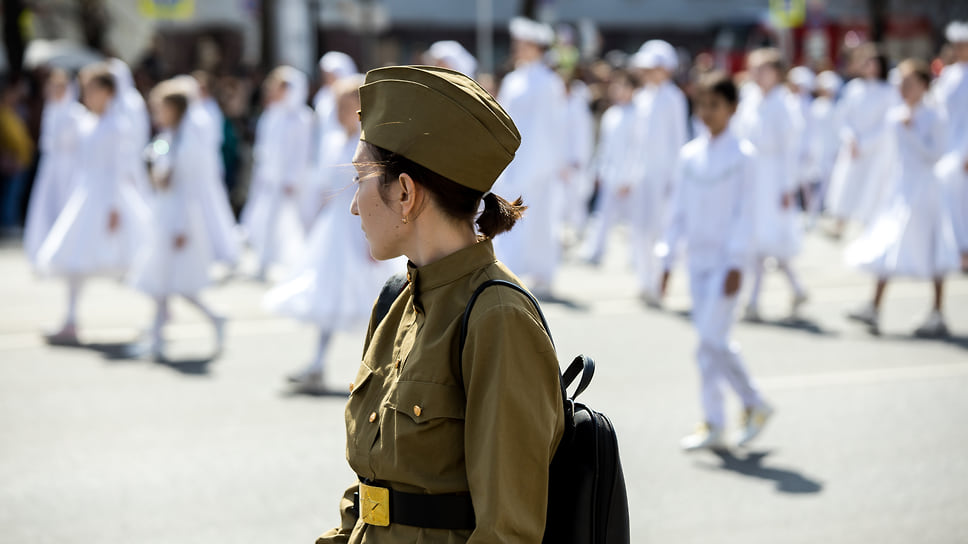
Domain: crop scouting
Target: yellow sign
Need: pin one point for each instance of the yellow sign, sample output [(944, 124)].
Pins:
[(167, 9), (788, 13)]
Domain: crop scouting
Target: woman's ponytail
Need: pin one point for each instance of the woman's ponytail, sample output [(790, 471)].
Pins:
[(499, 215)]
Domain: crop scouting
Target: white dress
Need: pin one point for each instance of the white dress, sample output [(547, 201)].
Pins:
[(336, 281), (223, 232), (60, 133), (576, 188), (533, 95), (281, 158), (137, 126), (765, 122), (159, 268), (857, 187), (951, 90), (614, 169), (912, 235), (80, 243)]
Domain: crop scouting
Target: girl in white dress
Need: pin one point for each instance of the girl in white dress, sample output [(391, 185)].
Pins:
[(176, 256), (764, 120), (824, 116), (103, 223), (335, 283), (614, 160), (913, 235), (280, 161), (857, 187), (60, 131)]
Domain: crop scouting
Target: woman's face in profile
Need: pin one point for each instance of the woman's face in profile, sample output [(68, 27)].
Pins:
[(380, 222)]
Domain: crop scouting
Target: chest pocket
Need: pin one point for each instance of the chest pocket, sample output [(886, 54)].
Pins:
[(423, 402)]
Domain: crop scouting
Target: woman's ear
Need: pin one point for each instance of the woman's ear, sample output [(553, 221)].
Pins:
[(408, 195)]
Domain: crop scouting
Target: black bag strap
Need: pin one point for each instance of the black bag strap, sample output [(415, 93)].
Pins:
[(582, 365), (391, 290)]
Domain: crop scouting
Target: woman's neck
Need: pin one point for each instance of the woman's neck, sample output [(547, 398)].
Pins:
[(437, 238)]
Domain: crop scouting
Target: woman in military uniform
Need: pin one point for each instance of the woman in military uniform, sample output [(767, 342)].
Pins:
[(445, 451)]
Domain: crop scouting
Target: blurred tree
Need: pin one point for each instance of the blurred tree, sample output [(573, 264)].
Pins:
[(13, 38), (94, 19)]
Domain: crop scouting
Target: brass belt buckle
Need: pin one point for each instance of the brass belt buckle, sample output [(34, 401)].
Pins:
[(375, 505)]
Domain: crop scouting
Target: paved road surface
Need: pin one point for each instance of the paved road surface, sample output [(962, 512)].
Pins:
[(870, 441)]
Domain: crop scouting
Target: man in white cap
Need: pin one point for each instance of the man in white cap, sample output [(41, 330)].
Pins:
[(661, 132), (534, 96), (951, 91), (452, 55)]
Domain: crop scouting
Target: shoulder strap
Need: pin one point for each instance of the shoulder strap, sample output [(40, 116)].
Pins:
[(582, 365), (391, 290)]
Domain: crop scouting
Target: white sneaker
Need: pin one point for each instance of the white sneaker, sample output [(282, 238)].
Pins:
[(651, 300), (705, 436), (66, 336), (933, 327), (752, 315), (754, 419), (307, 380), (867, 315)]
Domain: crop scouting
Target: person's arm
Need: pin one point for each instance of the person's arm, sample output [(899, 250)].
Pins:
[(348, 518), (675, 221), (739, 242), (513, 419)]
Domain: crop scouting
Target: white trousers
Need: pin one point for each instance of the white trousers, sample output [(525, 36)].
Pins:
[(612, 209), (719, 359)]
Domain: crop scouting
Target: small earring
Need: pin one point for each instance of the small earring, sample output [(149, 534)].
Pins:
[(405, 220)]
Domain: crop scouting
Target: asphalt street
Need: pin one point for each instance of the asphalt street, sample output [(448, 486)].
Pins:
[(869, 442)]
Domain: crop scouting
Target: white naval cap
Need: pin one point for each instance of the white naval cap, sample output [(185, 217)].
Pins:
[(829, 81), (957, 32), (526, 30), (454, 56), (802, 77), (656, 54), (338, 63)]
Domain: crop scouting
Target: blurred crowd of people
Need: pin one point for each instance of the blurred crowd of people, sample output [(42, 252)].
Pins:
[(153, 181)]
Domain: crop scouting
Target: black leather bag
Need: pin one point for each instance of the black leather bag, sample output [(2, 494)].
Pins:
[(587, 500)]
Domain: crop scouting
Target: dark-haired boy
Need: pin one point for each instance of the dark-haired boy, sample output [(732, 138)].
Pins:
[(711, 214)]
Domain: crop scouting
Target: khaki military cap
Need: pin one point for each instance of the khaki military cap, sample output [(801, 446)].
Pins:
[(439, 119)]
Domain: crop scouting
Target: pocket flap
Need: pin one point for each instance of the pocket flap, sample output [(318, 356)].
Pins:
[(423, 401)]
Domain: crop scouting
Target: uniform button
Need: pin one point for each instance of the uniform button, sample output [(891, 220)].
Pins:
[(372, 417), (417, 410), (352, 385), (397, 364)]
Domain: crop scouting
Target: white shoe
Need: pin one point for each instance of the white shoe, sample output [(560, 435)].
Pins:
[(66, 336), (705, 436), (867, 315), (219, 324), (307, 380), (752, 315), (754, 419), (933, 327), (651, 300)]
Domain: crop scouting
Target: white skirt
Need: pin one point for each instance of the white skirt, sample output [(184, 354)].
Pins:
[(79, 243), (159, 269), (336, 283), (908, 239), (951, 170), (51, 191)]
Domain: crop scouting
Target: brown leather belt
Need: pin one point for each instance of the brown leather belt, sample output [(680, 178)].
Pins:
[(382, 506)]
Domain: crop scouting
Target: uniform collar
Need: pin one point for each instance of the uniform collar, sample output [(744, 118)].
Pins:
[(449, 269)]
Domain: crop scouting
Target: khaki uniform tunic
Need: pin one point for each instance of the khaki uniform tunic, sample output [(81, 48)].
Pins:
[(411, 426)]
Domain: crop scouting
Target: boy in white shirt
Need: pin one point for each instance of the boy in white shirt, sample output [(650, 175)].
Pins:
[(711, 214)]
